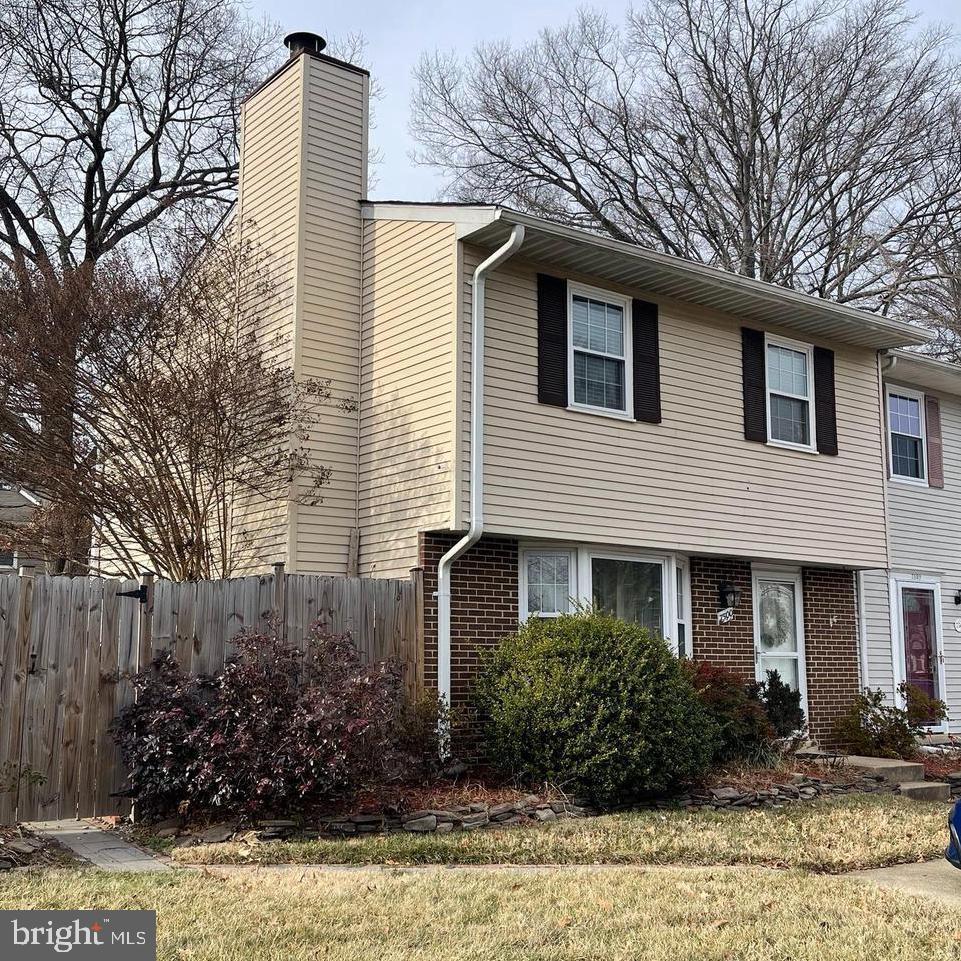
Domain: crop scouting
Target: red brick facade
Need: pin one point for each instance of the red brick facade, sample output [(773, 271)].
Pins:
[(484, 609), (830, 648), (830, 634), (731, 645)]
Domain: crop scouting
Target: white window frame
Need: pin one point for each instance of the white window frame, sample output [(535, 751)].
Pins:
[(522, 586), (918, 396), (897, 583), (15, 566), (618, 300), (581, 584), (785, 575), (683, 604), (771, 340)]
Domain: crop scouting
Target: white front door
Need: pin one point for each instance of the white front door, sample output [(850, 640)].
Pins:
[(779, 628)]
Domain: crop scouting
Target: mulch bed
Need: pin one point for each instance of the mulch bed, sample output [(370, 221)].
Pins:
[(20, 848)]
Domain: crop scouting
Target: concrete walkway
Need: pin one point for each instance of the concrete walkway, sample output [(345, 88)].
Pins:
[(930, 879), (103, 849)]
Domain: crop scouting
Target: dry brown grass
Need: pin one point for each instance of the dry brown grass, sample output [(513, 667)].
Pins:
[(660, 915), (842, 834)]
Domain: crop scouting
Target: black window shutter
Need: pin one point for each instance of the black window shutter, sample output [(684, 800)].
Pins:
[(647, 364), (825, 411), (753, 385), (551, 340)]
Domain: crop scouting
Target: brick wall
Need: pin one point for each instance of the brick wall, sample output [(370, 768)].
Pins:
[(484, 609), (730, 645), (830, 634), (831, 648)]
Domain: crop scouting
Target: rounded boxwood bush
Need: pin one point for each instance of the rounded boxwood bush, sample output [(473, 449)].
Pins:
[(593, 702)]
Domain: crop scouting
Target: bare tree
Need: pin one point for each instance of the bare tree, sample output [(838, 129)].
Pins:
[(184, 423), (802, 142), (113, 113), (118, 120)]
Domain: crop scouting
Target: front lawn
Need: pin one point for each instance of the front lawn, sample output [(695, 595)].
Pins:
[(842, 834), (673, 914)]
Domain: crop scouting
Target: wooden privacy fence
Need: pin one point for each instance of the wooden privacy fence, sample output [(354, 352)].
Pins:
[(68, 646)]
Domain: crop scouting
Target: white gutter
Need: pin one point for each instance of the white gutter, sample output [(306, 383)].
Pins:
[(476, 529)]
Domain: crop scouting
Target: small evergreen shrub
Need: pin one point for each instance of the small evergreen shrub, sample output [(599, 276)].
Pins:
[(874, 727), (279, 730), (594, 703), (782, 703), (745, 732)]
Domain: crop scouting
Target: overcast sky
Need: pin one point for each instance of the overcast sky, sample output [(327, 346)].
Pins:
[(397, 34)]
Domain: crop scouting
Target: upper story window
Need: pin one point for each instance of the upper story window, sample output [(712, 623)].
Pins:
[(790, 393), (906, 432), (7, 560), (599, 350)]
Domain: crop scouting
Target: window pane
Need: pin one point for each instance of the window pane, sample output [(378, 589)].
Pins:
[(598, 326), (615, 330), (598, 335), (548, 583), (776, 613), (787, 370), (904, 415), (789, 420), (906, 459), (785, 666), (598, 381), (6, 558), (630, 590), (579, 321)]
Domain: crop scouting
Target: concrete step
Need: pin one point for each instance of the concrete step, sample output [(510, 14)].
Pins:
[(926, 790), (891, 769)]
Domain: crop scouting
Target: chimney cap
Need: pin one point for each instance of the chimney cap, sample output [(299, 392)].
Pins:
[(301, 41)]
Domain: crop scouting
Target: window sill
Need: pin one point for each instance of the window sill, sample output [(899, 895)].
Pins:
[(909, 481), (787, 445), (600, 412)]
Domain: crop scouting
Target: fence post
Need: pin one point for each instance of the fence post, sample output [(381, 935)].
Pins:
[(13, 750), (280, 599), (145, 635), (417, 578)]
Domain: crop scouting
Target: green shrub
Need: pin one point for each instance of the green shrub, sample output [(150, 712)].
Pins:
[(876, 728), (736, 707), (782, 703), (595, 703)]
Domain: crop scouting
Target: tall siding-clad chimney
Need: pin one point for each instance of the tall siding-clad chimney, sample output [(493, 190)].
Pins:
[(303, 173)]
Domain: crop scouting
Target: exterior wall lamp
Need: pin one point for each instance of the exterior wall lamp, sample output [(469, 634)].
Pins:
[(728, 596)]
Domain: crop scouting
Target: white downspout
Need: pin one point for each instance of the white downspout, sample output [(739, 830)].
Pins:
[(476, 528)]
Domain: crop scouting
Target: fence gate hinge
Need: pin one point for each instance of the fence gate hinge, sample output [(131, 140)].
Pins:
[(140, 593)]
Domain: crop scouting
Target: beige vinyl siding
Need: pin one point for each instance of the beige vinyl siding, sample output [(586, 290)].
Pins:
[(925, 524), (268, 215), (407, 390), (328, 335), (691, 483), (879, 671)]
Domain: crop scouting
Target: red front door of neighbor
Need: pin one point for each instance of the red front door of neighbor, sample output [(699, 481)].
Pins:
[(918, 612)]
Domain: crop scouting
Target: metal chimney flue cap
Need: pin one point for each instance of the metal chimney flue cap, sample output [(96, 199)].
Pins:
[(303, 41)]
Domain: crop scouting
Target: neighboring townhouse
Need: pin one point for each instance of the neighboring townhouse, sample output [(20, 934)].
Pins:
[(912, 609), (690, 449), (16, 507)]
